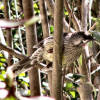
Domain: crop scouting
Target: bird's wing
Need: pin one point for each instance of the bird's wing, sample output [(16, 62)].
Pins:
[(27, 63)]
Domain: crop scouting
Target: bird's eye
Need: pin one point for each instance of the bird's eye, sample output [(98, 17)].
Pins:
[(84, 41), (80, 42), (77, 43)]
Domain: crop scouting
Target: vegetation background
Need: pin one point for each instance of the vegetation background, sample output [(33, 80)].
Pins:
[(24, 23)]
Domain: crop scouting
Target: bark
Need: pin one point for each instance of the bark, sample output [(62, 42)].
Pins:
[(85, 89), (46, 32), (8, 31), (98, 96), (50, 81), (90, 6), (44, 19), (57, 64), (95, 51), (85, 24), (84, 14), (31, 40)]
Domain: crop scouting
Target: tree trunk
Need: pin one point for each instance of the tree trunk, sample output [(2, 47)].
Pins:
[(85, 89), (57, 64), (46, 32), (96, 49), (31, 40)]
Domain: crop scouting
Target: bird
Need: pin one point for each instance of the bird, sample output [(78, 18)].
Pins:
[(72, 48)]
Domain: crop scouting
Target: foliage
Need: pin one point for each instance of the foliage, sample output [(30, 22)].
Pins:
[(7, 85)]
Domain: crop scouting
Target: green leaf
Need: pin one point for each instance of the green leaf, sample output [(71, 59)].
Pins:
[(25, 83), (11, 98), (3, 60), (94, 19), (21, 74), (69, 85), (66, 13), (1, 55), (29, 92), (1, 6), (3, 72), (2, 78), (35, 5), (73, 94), (51, 28), (1, 64)]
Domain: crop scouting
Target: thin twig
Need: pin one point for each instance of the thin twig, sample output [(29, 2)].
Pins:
[(93, 27), (97, 55), (50, 5), (72, 16), (19, 31), (96, 70)]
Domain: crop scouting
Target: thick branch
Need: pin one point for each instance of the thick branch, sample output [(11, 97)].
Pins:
[(44, 19), (31, 39), (57, 51), (85, 90)]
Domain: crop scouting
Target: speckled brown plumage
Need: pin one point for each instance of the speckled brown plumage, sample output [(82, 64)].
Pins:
[(71, 51)]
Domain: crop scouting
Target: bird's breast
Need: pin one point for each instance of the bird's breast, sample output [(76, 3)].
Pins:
[(70, 55)]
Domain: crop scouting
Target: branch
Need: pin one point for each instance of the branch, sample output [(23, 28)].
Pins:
[(90, 6), (17, 23), (51, 4), (93, 27), (72, 16), (12, 52), (44, 19)]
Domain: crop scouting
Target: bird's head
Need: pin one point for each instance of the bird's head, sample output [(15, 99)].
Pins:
[(80, 39)]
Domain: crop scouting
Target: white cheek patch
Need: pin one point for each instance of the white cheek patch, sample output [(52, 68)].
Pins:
[(80, 42), (77, 42)]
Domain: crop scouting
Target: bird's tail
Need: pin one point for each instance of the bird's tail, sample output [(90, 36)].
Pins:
[(26, 64)]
